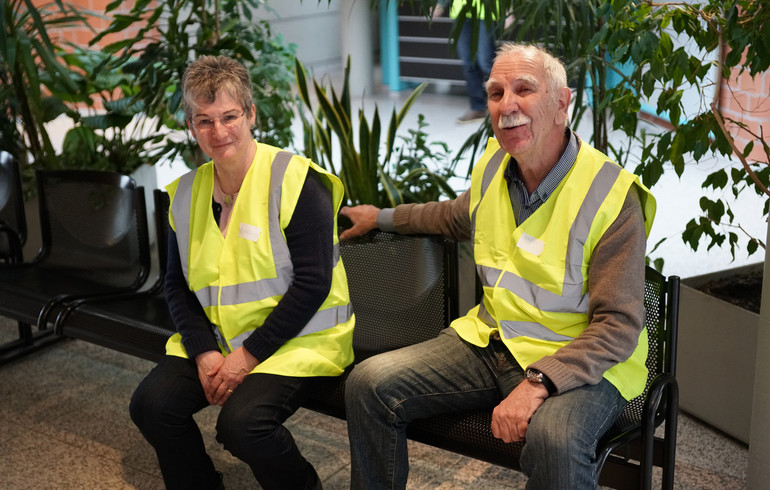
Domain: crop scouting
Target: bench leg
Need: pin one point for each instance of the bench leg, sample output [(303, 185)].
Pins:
[(27, 343)]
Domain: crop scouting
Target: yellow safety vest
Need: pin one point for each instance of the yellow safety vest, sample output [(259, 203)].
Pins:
[(478, 6), (239, 278), (535, 274)]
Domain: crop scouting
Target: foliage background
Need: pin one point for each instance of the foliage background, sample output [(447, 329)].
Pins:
[(622, 55), (652, 51)]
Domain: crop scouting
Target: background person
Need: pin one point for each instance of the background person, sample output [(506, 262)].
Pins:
[(477, 61), (256, 290), (556, 347)]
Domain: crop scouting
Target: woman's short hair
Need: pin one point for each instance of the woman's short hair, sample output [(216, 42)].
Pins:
[(208, 75)]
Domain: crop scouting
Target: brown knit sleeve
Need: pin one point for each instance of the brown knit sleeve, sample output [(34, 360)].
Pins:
[(450, 219), (615, 306)]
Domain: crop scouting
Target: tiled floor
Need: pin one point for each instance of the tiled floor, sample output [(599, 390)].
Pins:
[(64, 424)]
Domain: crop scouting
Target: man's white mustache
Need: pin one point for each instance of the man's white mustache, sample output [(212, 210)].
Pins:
[(513, 120)]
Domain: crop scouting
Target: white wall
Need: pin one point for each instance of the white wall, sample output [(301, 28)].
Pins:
[(313, 25)]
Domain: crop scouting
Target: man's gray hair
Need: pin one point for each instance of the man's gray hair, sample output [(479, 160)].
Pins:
[(556, 74)]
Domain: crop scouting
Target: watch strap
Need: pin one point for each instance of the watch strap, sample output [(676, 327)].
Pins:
[(543, 379)]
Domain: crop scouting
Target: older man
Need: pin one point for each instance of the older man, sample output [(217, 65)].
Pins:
[(556, 346)]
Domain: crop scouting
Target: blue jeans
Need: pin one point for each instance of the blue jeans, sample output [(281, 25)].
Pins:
[(250, 426), (446, 374), (476, 69)]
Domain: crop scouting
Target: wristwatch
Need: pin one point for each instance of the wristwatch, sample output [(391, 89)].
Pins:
[(535, 376)]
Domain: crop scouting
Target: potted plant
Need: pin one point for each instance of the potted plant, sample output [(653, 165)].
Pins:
[(53, 80), (373, 171), (158, 53), (33, 74)]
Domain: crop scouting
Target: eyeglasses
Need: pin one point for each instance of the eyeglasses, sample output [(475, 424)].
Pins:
[(203, 123)]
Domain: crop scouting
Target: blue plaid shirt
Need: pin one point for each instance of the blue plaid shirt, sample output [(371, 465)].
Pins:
[(525, 204)]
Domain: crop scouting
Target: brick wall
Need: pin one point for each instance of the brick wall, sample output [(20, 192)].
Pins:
[(82, 36), (747, 100)]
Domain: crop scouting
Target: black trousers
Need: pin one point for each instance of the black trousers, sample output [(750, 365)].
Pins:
[(250, 426)]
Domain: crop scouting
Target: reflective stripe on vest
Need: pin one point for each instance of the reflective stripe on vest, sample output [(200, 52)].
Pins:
[(180, 206), (322, 320), (264, 288), (486, 180), (572, 299), (251, 291)]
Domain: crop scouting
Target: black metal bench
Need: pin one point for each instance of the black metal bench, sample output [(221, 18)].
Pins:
[(136, 323), (395, 286), (404, 290), (94, 242)]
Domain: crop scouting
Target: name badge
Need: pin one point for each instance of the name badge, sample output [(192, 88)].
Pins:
[(531, 244), (249, 232)]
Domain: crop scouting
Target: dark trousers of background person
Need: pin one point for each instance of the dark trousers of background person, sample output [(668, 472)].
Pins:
[(476, 69), (250, 426)]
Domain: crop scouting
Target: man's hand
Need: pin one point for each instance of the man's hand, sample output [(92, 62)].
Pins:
[(510, 418), (364, 218)]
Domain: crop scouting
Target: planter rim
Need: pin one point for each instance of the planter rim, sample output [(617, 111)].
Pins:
[(696, 281)]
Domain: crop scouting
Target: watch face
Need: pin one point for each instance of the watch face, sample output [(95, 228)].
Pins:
[(534, 376)]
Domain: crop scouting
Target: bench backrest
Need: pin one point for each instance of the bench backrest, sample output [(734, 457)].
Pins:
[(661, 307), (403, 289), (94, 222)]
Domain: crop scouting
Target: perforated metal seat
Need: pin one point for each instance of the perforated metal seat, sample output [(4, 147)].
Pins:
[(138, 322), (94, 242), (383, 270), (403, 290)]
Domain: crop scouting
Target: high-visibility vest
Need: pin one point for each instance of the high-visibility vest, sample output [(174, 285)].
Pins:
[(239, 278), (535, 274), (478, 6)]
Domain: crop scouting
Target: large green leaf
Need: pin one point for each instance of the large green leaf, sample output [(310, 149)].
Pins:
[(368, 177)]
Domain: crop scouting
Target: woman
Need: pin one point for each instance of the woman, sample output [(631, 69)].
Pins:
[(256, 290)]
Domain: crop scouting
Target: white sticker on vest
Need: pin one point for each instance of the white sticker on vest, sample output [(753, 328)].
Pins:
[(531, 244), (249, 232)]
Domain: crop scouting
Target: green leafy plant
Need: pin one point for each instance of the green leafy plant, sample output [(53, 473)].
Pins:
[(661, 48), (422, 167), (369, 174), (626, 55), (35, 81), (159, 52), (47, 80), (111, 131)]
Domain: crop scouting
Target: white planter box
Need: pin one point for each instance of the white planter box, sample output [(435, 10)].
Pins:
[(716, 361)]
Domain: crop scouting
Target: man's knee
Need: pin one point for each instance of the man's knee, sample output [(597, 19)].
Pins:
[(366, 378), (555, 437), (558, 455), (377, 380), (555, 442)]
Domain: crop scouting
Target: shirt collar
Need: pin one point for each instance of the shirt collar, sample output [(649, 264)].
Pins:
[(556, 174)]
